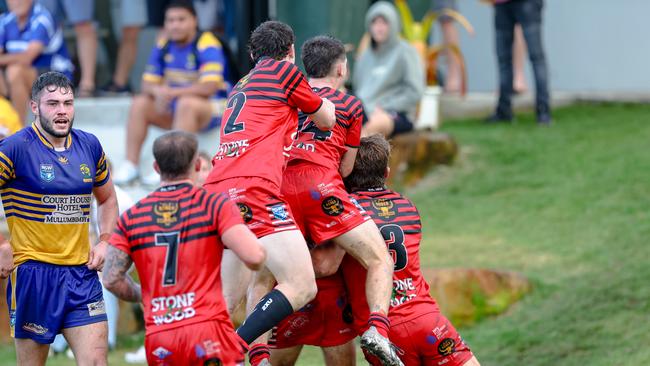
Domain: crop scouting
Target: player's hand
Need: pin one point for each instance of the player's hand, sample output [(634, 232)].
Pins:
[(6, 259), (96, 256)]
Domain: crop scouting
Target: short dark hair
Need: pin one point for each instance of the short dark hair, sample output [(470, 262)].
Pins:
[(370, 165), (183, 4), (51, 80), (174, 152), (271, 39), (320, 53)]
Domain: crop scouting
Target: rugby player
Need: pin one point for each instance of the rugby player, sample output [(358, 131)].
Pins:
[(261, 116), (48, 172), (313, 186), (176, 236), (418, 329)]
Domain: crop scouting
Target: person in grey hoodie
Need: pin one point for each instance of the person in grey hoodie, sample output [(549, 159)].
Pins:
[(388, 76)]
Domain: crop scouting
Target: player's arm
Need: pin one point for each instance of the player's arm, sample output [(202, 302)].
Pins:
[(6, 258), (326, 259), (107, 211), (26, 57), (245, 245), (115, 277), (347, 161), (325, 116)]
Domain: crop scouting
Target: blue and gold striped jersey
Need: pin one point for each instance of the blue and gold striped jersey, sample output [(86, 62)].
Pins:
[(46, 194)]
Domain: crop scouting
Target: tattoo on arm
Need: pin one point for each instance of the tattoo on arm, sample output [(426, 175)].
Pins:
[(115, 277)]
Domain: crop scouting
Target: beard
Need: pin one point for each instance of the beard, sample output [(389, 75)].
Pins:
[(48, 126)]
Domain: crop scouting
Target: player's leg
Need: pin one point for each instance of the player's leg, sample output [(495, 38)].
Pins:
[(343, 355), (193, 113), (30, 353), (289, 261), (89, 343), (285, 356), (235, 278)]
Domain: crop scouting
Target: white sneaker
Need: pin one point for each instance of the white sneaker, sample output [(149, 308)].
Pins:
[(139, 356), (69, 354), (151, 180), (126, 173)]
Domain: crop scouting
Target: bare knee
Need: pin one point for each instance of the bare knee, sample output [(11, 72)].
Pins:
[(16, 73)]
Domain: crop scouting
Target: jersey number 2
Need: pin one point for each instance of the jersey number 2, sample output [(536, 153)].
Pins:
[(171, 241), (394, 237), (235, 103)]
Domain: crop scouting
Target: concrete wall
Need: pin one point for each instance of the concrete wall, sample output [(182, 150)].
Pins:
[(591, 45)]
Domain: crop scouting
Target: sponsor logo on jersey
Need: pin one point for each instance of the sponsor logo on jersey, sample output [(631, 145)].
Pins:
[(446, 347), (384, 208), (34, 328), (332, 206), (279, 212), (85, 173), (245, 211), (166, 212), (47, 172), (96, 308), (175, 308), (403, 291), (161, 352), (67, 209)]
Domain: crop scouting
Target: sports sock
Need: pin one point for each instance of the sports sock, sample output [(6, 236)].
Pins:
[(257, 353), (380, 321), (267, 313)]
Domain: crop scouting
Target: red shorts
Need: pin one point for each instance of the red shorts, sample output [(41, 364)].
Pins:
[(321, 206), (260, 203), (428, 340), (205, 343), (324, 322)]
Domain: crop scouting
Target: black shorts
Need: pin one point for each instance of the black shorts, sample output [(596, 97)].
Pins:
[(401, 123)]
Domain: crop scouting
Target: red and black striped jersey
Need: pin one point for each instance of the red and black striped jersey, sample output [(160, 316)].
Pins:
[(261, 115), (326, 148), (173, 237), (398, 221)]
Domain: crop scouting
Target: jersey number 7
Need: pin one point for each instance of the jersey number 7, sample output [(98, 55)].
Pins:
[(171, 241)]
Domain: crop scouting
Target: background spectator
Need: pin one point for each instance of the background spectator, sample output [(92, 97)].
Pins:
[(183, 86), (527, 13), (129, 16), (453, 79), (30, 43), (388, 76), (80, 14)]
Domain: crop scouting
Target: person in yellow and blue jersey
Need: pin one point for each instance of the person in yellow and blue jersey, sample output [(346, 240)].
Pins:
[(48, 174), (183, 86)]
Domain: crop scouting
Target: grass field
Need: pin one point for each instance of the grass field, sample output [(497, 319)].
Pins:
[(569, 206)]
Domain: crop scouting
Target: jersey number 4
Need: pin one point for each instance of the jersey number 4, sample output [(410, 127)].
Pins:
[(311, 127), (394, 237), (171, 241), (235, 104)]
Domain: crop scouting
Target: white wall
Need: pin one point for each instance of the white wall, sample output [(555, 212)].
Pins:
[(591, 45)]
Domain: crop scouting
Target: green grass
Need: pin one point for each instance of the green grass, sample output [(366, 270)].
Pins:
[(568, 206)]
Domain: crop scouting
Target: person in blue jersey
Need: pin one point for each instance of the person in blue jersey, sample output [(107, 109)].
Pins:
[(48, 174), (30, 43), (183, 86)]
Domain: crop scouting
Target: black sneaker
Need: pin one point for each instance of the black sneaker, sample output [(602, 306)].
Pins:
[(544, 119), (113, 89)]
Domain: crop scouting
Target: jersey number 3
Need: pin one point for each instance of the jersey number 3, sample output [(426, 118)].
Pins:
[(171, 241), (235, 104), (394, 237)]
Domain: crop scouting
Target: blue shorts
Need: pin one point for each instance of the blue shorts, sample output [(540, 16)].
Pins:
[(44, 298)]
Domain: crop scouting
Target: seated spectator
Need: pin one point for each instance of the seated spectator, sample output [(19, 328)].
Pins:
[(10, 123), (30, 44), (183, 86), (80, 14), (128, 16), (388, 76)]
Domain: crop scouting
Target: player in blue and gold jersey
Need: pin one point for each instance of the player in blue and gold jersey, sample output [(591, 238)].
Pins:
[(183, 85), (48, 173)]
